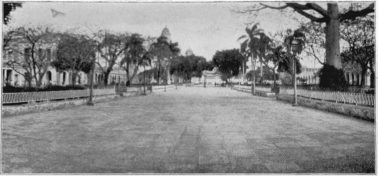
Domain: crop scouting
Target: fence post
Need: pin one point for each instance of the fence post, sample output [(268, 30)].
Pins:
[(165, 88)]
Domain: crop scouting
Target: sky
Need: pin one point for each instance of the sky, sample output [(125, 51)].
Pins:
[(202, 27)]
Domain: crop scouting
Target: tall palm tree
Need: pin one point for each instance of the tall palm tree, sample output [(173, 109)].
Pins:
[(300, 38), (263, 47), (275, 56), (250, 46), (145, 61), (133, 54), (165, 51)]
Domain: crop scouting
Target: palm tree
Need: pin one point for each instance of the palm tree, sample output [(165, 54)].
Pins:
[(165, 49), (146, 60), (133, 55), (299, 37), (250, 46), (275, 56), (263, 47)]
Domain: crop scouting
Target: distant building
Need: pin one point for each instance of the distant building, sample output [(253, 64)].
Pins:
[(353, 74), (166, 33), (309, 76), (189, 52), (14, 75)]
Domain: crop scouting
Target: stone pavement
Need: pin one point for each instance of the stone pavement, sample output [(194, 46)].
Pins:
[(190, 130)]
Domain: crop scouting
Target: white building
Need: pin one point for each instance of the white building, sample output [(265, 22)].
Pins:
[(19, 50)]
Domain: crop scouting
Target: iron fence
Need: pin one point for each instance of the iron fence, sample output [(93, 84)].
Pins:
[(27, 97), (334, 96)]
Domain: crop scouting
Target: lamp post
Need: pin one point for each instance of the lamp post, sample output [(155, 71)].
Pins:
[(295, 48)]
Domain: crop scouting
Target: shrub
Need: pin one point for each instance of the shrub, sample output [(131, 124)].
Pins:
[(9, 88), (332, 79)]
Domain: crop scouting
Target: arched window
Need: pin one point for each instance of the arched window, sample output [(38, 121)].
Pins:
[(64, 78), (49, 77)]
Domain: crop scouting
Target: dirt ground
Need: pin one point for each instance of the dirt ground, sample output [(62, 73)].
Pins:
[(189, 130)]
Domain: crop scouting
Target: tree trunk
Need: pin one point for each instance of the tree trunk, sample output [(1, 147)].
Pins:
[(134, 74), (168, 75), (106, 78), (274, 78), (89, 78), (128, 72), (73, 78), (158, 75), (372, 79), (29, 81), (38, 83), (333, 37), (261, 71)]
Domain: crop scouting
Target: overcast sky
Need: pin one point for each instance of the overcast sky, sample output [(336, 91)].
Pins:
[(203, 27)]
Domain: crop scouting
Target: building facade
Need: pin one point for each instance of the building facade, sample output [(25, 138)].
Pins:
[(19, 51)]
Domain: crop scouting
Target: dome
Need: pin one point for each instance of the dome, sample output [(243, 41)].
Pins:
[(166, 32), (189, 52)]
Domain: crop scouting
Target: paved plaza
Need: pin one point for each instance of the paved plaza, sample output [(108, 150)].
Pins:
[(190, 130)]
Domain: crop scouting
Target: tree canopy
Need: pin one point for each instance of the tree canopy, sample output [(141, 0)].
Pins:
[(189, 66), (228, 62)]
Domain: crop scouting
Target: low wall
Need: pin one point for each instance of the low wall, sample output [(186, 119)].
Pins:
[(366, 113), (12, 110), (163, 88)]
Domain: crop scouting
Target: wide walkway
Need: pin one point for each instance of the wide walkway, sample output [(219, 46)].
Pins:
[(190, 130)]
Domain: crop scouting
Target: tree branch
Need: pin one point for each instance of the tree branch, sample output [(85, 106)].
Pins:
[(300, 9), (272, 7), (317, 8), (351, 14)]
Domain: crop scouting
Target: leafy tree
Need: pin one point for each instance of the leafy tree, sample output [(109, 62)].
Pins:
[(286, 64), (228, 63), (189, 66), (110, 48), (36, 45), (8, 8), (74, 53), (359, 35), (315, 40), (268, 74), (330, 16), (182, 67)]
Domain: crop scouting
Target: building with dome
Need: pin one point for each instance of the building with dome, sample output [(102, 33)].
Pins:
[(189, 52), (166, 33)]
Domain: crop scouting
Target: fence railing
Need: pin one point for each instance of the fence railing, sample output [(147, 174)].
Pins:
[(338, 97), (163, 88), (26, 97)]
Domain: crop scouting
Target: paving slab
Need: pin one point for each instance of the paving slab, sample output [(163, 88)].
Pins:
[(189, 130)]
